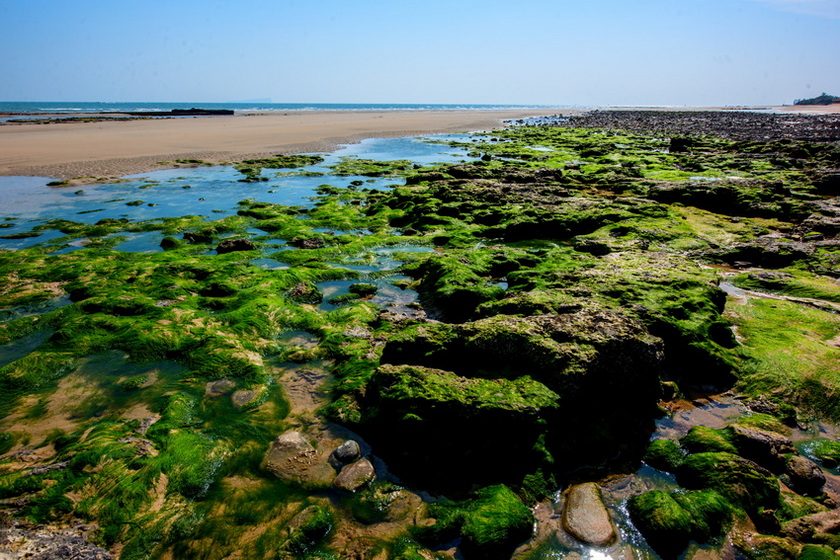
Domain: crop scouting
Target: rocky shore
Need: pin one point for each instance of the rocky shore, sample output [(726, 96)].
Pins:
[(483, 359)]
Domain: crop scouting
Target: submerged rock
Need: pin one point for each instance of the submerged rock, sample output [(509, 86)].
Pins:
[(248, 397), (218, 388), (586, 517), (355, 475)]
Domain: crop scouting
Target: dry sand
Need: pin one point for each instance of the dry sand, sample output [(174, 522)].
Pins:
[(111, 149)]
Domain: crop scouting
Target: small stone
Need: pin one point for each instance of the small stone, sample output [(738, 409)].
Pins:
[(585, 516), (345, 453), (355, 475)]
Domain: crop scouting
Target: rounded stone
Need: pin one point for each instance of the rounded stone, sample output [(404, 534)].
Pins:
[(586, 517)]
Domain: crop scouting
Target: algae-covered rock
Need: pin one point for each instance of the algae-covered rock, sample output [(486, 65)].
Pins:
[(447, 395), (670, 521), (701, 439), (305, 531), (766, 547), (490, 526), (305, 292), (249, 398), (445, 429), (817, 552), (744, 483), (664, 454), (585, 516)]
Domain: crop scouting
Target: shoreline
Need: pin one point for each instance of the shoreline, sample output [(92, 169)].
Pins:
[(113, 149), (103, 149)]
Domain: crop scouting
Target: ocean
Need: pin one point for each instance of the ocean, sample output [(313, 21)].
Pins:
[(70, 107)]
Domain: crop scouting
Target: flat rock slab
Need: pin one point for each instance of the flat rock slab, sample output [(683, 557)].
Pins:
[(585, 516)]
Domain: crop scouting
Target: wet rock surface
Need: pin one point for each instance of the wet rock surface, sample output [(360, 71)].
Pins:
[(586, 517)]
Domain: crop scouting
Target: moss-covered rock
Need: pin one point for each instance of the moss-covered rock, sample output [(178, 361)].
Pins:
[(670, 521), (490, 526), (749, 486), (701, 439), (664, 454)]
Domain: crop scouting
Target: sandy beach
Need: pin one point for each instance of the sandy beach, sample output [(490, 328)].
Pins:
[(110, 149)]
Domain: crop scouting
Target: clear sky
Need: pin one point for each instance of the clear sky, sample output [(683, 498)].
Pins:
[(555, 52)]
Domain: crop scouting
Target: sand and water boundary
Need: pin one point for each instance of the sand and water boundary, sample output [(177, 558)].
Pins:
[(121, 147)]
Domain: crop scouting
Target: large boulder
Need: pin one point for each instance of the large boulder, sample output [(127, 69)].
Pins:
[(585, 516), (491, 399)]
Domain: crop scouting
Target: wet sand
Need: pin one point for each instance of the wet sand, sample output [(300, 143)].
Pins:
[(111, 149)]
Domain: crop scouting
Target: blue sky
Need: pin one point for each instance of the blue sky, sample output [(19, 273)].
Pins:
[(554, 52)]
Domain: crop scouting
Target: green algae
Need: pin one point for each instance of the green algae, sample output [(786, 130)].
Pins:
[(602, 228)]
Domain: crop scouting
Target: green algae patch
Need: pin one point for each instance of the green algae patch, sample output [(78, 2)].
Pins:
[(491, 525), (790, 348), (670, 521), (407, 384), (701, 439), (664, 454), (749, 485)]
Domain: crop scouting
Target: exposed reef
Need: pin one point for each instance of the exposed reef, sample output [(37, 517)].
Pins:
[(414, 371)]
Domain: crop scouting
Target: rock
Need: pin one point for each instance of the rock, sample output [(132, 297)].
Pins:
[(670, 521), (745, 483), (197, 237), (218, 388), (585, 516), (345, 453), (231, 245), (308, 243), (763, 447), (248, 397), (355, 475), (169, 242), (804, 528), (19, 540), (291, 458), (806, 477), (305, 292)]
